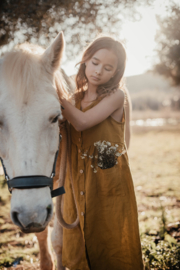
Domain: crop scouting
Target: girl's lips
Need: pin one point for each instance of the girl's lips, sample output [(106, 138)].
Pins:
[(95, 78)]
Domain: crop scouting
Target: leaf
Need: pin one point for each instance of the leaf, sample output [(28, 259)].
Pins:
[(170, 239)]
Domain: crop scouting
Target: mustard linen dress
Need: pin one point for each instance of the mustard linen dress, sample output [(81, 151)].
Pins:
[(108, 235)]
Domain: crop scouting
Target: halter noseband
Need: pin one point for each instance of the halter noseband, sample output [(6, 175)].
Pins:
[(34, 181)]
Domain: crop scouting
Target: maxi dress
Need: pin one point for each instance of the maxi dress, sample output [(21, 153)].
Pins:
[(107, 237)]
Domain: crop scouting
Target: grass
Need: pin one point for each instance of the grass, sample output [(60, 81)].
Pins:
[(155, 165), (15, 246)]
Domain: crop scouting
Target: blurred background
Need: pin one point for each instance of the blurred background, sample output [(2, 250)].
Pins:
[(148, 28), (151, 34)]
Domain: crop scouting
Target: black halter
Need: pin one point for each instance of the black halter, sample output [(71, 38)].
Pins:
[(34, 181)]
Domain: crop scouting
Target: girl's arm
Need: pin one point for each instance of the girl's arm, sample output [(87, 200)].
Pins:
[(84, 120)]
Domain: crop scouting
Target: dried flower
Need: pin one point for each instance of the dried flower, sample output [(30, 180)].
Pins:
[(97, 143), (100, 164), (101, 150), (113, 148), (123, 152)]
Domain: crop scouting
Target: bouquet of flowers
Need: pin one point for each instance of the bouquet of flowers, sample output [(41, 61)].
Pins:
[(107, 154)]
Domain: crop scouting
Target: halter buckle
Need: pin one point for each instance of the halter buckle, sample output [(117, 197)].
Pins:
[(52, 175)]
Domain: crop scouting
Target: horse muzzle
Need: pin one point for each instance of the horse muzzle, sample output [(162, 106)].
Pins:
[(31, 209)]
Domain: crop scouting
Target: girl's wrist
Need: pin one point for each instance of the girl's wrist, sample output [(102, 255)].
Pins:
[(61, 102)]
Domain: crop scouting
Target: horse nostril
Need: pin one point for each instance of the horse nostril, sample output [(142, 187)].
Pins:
[(15, 219), (49, 211), (49, 207)]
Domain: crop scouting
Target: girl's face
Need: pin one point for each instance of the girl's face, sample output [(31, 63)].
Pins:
[(101, 67)]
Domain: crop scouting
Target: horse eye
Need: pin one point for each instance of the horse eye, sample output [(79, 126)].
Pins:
[(55, 119)]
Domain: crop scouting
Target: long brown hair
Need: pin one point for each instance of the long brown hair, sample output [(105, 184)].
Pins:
[(102, 42)]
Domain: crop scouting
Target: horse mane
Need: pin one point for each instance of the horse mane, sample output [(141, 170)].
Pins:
[(22, 69)]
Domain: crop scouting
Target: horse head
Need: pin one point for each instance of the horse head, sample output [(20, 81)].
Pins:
[(29, 131)]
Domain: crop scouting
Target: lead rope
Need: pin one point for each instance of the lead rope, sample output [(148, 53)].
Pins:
[(4, 168), (63, 163)]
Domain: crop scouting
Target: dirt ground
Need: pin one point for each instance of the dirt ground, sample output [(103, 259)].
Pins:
[(155, 165)]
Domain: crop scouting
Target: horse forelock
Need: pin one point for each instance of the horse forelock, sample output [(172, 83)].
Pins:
[(21, 70)]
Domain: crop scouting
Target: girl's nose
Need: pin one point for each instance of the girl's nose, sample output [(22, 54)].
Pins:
[(98, 71)]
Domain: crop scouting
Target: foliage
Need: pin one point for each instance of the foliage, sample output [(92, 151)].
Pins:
[(2, 181), (81, 20), (165, 255), (168, 39), (163, 225)]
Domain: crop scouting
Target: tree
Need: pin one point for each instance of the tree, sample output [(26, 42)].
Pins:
[(168, 39), (81, 20)]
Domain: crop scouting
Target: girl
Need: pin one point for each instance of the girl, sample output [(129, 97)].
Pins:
[(108, 234)]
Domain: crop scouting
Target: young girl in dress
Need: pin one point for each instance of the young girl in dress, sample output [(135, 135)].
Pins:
[(107, 237)]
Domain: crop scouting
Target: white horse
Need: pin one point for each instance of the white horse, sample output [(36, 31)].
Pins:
[(29, 131), (29, 136)]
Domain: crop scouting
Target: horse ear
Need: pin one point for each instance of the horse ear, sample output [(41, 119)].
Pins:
[(53, 54)]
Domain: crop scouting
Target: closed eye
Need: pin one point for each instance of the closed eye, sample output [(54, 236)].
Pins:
[(97, 64)]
